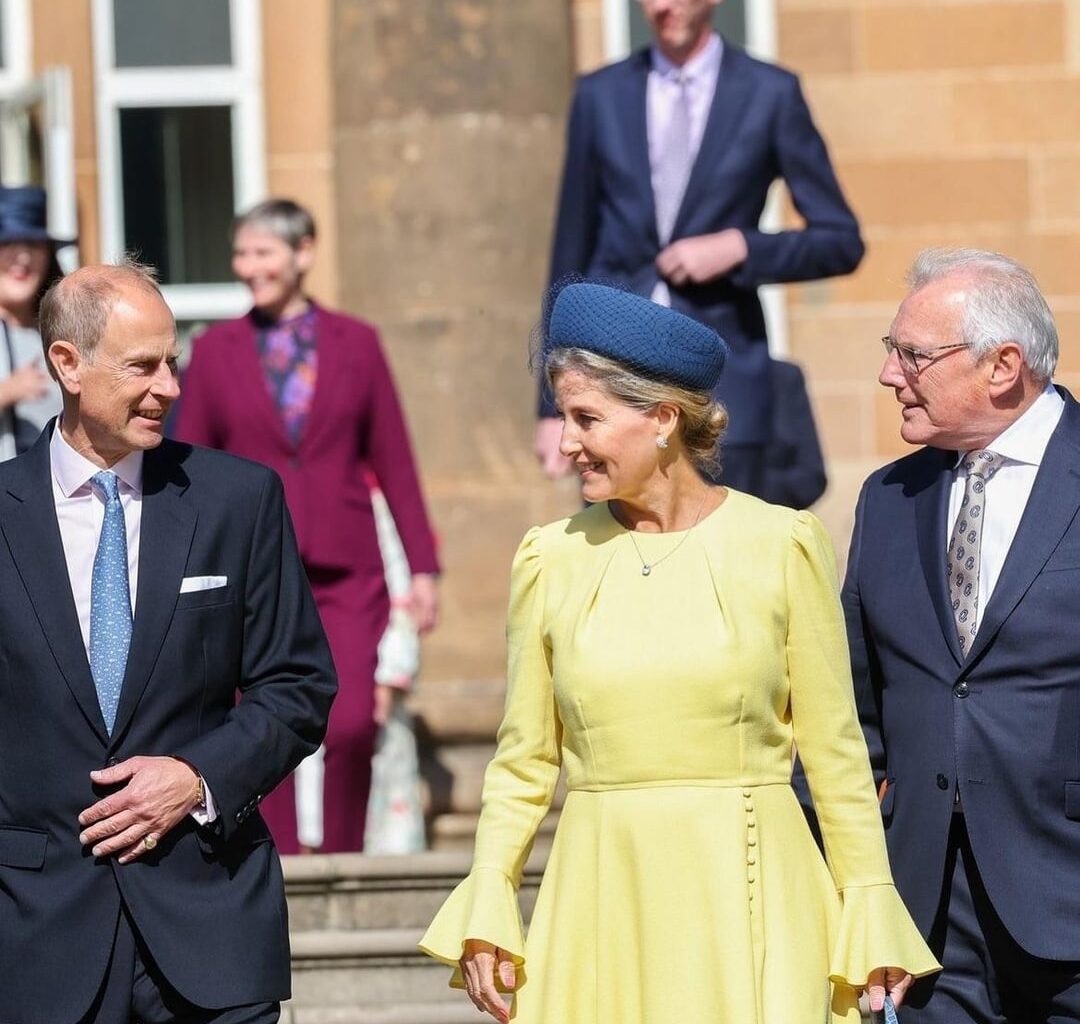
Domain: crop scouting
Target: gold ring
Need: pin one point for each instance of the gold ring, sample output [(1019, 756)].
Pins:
[(149, 842)]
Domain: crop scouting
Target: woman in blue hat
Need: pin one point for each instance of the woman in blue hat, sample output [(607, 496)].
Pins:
[(669, 647), (29, 397)]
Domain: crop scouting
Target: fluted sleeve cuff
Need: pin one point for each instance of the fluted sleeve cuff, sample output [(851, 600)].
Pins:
[(877, 931), (484, 906)]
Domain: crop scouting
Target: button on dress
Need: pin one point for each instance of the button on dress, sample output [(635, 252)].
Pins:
[(683, 883)]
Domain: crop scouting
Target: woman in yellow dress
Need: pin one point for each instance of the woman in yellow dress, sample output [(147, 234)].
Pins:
[(669, 647)]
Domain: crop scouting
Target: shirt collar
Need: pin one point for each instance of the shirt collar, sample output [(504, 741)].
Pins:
[(1025, 439), (73, 471), (699, 66)]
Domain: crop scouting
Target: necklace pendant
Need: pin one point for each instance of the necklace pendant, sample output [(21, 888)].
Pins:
[(646, 569)]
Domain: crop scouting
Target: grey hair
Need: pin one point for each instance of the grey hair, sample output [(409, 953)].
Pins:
[(1004, 305), (283, 218), (77, 308), (702, 419)]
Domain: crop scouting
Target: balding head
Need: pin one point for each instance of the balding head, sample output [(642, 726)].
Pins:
[(77, 308)]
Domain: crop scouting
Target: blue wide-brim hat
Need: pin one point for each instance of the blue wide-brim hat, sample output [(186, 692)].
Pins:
[(643, 335), (22, 216)]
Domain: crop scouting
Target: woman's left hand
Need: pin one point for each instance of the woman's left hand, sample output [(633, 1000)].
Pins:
[(424, 601), (894, 981)]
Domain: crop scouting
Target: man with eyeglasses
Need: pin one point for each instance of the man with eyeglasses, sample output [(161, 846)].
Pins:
[(962, 597)]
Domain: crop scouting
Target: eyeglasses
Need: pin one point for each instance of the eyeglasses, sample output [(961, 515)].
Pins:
[(910, 357)]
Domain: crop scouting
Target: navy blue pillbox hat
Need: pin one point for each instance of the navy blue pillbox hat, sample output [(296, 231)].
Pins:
[(22, 216), (649, 338)]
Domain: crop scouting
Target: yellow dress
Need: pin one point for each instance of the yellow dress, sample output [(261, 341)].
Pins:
[(683, 883)]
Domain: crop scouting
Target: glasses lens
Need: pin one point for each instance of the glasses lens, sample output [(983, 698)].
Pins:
[(905, 355)]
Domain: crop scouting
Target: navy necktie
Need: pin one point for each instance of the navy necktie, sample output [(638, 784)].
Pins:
[(110, 601)]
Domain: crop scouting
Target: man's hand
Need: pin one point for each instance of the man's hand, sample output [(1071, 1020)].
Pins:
[(546, 448), (158, 793), (424, 602), (23, 385), (892, 980), (702, 258)]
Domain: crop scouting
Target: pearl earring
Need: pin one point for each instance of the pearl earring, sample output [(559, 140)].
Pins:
[(661, 441)]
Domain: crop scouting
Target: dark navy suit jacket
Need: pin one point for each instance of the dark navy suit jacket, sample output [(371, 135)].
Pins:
[(1005, 721), (759, 128), (794, 469), (208, 902)]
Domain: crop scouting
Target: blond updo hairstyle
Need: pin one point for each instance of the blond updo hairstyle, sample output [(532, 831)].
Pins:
[(702, 419)]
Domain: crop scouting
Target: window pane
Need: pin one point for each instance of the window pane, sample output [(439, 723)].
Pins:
[(730, 21), (171, 33), (178, 190)]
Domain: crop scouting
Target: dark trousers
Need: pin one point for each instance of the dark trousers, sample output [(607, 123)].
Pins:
[(135, 992), (987, 977)]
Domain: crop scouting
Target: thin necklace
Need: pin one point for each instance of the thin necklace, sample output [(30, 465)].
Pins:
[(647, 567)]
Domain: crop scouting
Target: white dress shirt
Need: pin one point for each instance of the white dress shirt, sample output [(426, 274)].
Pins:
[(1021, 446), (662, 93), (80, 511)]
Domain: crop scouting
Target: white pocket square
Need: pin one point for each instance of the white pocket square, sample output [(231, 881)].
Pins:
[(189, 584)]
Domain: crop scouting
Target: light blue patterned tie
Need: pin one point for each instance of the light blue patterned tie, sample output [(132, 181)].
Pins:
[(110, 601)]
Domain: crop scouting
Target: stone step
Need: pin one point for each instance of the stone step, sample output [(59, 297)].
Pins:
[(351, 892), (374, 967), (355, 921), (460, 1011), (456, 832)]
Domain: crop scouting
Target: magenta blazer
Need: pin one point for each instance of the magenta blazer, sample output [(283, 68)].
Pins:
[(355, 424)]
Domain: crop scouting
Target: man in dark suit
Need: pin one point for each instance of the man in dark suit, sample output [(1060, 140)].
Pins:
[(961, 595), (669, 159), (162, 667)]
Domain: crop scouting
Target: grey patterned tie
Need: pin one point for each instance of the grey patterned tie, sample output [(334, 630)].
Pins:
[(965, 545), (674, 163)]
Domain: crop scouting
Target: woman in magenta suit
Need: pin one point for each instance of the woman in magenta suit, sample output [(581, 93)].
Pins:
[(308, 392)]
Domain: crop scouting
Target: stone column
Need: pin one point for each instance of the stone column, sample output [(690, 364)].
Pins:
[(449, 123)]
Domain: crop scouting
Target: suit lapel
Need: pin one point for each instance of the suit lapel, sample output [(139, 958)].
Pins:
[(30, 527), (931, 512), (248, 375), (165, 539), (729, 105), (1051, 508), (329, 376), (634, 123)]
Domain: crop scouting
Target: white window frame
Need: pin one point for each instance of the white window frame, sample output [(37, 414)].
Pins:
[(238, 86), (18, 46), (761, 41), (15, 76), (49, 92)]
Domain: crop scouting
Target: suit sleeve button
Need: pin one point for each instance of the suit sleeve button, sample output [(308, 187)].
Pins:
[(942, 782)]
